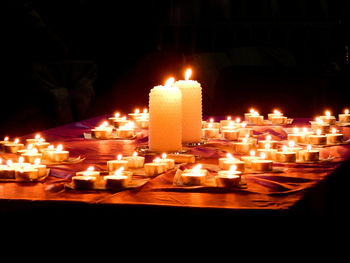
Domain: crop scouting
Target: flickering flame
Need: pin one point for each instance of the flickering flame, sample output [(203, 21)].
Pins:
[(284, 148), (229, 156), (6, 138), (244, 124), (318, 132), (295, 130), (238, 119), (116, 115), (37, 136), (163, 155), (51, 147), (137, 111), (263, 155), (291, 143), (41, 140), (210, 125), (156, 160), (211, 120), (233, 168), (268, 137), (319, 120), (90, 169), (334, 131), (328, 113), (267, 146), (37, 161), (59, 147), (16, 140), (308, 147), (134, 154), (277, 112), (104, 124), (245, 140), (228, 118), (252, 153), (169, 82), (119, 171), (304, 129), (251, 110), (30, 146), (9, 162), (188, 74), (145, 110), (196, 170), (255, 113), (124, 118), (119, 157), (21, 159), (346, 111)]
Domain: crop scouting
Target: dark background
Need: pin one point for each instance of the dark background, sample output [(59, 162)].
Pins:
[(69, 60)]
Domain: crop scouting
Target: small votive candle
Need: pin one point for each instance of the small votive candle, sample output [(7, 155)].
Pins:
[(227, 123), (118, 180), (242, 147), (247, 115), (13, 147), (230, 134), (319, 124), (55, 155), (309, 154), (41, 144), (229, 178), (169, 162), (211, 124), (229, 161), (262, 143), (278, 118), (104, 131), (126, 131), (155, 168), (244, 131), (334, 137), (6, 140), (114, 165), (318, 138), (255, 118), (26, 173), (135, 161), (248, 159), (33, 140), (261, 165), (327, 118), (7, 171), (194, 176), (269, 153), (344, 117), (210, 132), (31, 155), (120, 122), (86, 179), (40, 167), (286, 156)]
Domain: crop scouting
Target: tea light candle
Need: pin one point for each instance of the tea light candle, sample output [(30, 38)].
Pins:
[(13, 147), (227, 123), (223, 159), (345, 117), (318, 138), (309, 154), (334, 137), (135, 161), (274, 114), (31, 155), (115, 117), (194, 176), (55, 155), (244, 131), (296, 136), (114, 165), (120, 122), (118, 180), (262, 143), (33, 140), (242, 147), (165, 118), (104, 131), (40, 167), (262, 165), (229, 178), (126, 131), (230, 134), (136, 114), (247, 115), (212, 124), (210, 132), (278, 118), (327, 118), (155, 168), (286, 156), (182, 158), (319, 124), (7, 171), (248, 159), (256, 118), (238, 164), (191, 91), (26, 173), (142, 122), (269, 153), (86, 179), (170, 163), (41, 144)]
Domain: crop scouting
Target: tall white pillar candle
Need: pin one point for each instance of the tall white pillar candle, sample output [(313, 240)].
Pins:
[(165, 114)]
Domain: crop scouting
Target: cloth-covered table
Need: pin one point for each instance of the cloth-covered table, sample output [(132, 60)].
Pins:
[(264, 192)]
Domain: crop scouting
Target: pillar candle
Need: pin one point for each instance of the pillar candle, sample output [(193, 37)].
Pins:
[(191, 92), (165, 118)]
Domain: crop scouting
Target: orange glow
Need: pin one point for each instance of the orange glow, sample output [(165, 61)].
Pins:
[(37, 161), (318, 132), (37, 136), (238, 119), (252, 153), (334, 131), (134, 154), (119, 171), (90, 169), (196, 170), (104, 124), (137, 111), (16, 140), (6, 138), (145, 110), (59, 147), (291, 143), (169, 82), (119, 157), (328, 113), (116, 115), (346, 111), (233, 168), (308, 147), (229, 118), (163, 155), (188, 74)]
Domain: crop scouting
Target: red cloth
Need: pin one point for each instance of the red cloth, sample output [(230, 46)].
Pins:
[(264, 191)]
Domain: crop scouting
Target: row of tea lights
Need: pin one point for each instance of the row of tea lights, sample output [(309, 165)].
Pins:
[(22, 170)]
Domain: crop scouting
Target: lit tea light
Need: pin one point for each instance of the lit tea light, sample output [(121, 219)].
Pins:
[(242, 147), (319, 124), (55, 154), (261, 165), (226, 123), (121, 121), (136, 114), (318, 138), (243, 131), (7, 171), (247, 115), (114, 165), (135, 161), (13, 147), (286, 155), (194, 176), (268, 139), (328, 118), (229, 178), (104, 131), (344, 117), (127, 131), (210, 132), (169, 162), (31, 155), (248, 159), (226, 163), (255, 118), (156, 167), (334, 137), (230, 132), (268, 152), (308, 154), (85, 179), (40, 167), (119, 180)]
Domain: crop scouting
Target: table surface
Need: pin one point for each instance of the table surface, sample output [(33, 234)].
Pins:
[(270, 191)]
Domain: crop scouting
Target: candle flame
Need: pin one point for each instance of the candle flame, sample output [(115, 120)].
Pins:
[(16, 140), (267, 146), (59, 147), (116, 115), (163, 155), (268, 137), (328, 113), (6, 138), (37, 136), (229, 156), (119, 171), (188, 74), (245, 140), (244, 124), (319, 120), (346, 111), (169, 82), (51, 147), (238, 119), (284, 148), (104, 124), (137, 111), (9, 162), (295, 130), (233, 168), (156, 160), (90, 169), (30, 146), (134, 154), (210, 125), (119, 157), (308, 147), (252, 153), (334, 131), (228, 118), (145, 110), (251, 110), (124, 118), (37, 161), (318, 132), (197, 169), (41, 140), (291, 143), (211, 120), (263, 155), (304, 129), (21, 159)]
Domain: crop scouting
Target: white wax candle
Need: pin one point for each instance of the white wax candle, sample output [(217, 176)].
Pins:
[(191, 108), (165, 118)]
